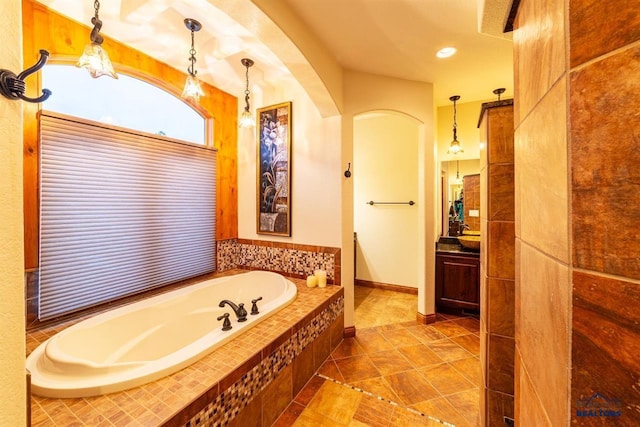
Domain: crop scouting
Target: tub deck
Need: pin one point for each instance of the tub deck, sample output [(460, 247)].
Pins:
[(174, 399)]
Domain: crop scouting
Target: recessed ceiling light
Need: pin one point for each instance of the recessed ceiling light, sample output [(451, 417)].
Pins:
[(446, 52)]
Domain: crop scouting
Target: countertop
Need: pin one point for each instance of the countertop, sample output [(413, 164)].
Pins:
[(450, 245)]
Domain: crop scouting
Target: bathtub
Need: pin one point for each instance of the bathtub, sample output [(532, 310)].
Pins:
[(147, 340)]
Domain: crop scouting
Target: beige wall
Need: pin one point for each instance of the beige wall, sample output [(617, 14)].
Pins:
[(385, 151), (315, 172), (414, 99), (12, 323)]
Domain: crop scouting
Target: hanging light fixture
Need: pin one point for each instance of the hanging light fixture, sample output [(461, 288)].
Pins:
[(455, 146), (95, 58), (192, 89), (458, 179), (246, 118)]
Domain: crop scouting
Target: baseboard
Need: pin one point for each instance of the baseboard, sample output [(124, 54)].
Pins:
[(386, 286), (425, 319), (349, 332)]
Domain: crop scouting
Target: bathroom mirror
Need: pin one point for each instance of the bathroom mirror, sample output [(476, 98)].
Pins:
[(455, 212)]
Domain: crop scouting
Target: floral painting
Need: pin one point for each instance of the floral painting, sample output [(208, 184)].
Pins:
[(274, 170)]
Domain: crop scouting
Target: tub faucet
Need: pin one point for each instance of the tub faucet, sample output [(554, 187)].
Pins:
[(241, 313), (254, 307), (226, 325)]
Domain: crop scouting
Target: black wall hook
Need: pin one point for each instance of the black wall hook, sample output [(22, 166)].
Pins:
[(347, 173), (13, 87)]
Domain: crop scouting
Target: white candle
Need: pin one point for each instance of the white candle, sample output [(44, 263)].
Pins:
[(321, 276), (312, 281)]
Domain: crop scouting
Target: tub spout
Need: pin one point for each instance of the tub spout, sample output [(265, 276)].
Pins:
[(241, 313)]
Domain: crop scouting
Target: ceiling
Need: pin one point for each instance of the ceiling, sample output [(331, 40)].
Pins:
[(395, 38)]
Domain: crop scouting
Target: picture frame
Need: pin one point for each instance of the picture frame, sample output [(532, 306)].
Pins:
[(273, 169)]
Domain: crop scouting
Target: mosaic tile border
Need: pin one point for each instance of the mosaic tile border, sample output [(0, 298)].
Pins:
[(285, 258), (231, 401)]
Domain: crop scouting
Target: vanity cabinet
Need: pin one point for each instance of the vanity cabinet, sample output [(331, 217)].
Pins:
[(458, 280)]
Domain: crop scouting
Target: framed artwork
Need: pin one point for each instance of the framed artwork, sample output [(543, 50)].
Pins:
[(273, 166)]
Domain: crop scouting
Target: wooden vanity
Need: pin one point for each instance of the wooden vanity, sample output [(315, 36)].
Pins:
[(457, 278)]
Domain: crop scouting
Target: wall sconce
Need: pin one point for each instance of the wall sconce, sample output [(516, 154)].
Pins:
[(192, 89), (14, 87), (94, 58), (246, 118), (455, 146)]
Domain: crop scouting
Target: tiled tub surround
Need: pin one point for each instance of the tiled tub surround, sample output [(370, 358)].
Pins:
[(262, 369), (290, 259)]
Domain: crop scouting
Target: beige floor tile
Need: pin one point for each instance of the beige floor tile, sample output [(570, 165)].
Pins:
[(420, 355), (336, 402), (373, 342), (390, 362), (403, 417), (469, 342), (470, 368), (330, 369), (467, 404), (400, 337), (426, 333), (411, 387), (447, 350), (311, 418), (446, 379), (378, 387), (357, 368), (347, 347), (373, 412), (470, 323), (441, 409), (450, 328)]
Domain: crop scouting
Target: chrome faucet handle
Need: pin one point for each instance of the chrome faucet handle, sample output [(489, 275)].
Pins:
[(226, 325), (254, 307)]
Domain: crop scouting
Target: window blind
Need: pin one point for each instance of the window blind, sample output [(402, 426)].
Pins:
[(120, 212)]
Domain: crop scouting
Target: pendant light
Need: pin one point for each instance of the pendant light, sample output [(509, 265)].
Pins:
[(192, 89), (455, 146), (458, 179), (246, 118), (95, 58)]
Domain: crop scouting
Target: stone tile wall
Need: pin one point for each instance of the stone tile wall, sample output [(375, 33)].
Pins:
[(577, 199)]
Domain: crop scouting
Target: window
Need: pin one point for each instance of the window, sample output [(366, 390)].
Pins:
[(126, 102), (120, 213)]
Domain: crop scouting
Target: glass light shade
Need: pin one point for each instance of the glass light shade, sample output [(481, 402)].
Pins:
[(246, 119), (95, 59), (192, 89), (455, 147)]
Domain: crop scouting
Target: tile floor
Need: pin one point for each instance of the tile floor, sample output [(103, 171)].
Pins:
[(395, 372)]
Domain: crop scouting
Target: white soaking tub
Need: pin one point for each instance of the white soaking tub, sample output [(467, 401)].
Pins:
[(141, 342)]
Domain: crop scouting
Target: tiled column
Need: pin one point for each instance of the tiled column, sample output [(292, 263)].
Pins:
[(604, 147), (577, 200), (497, 262)]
